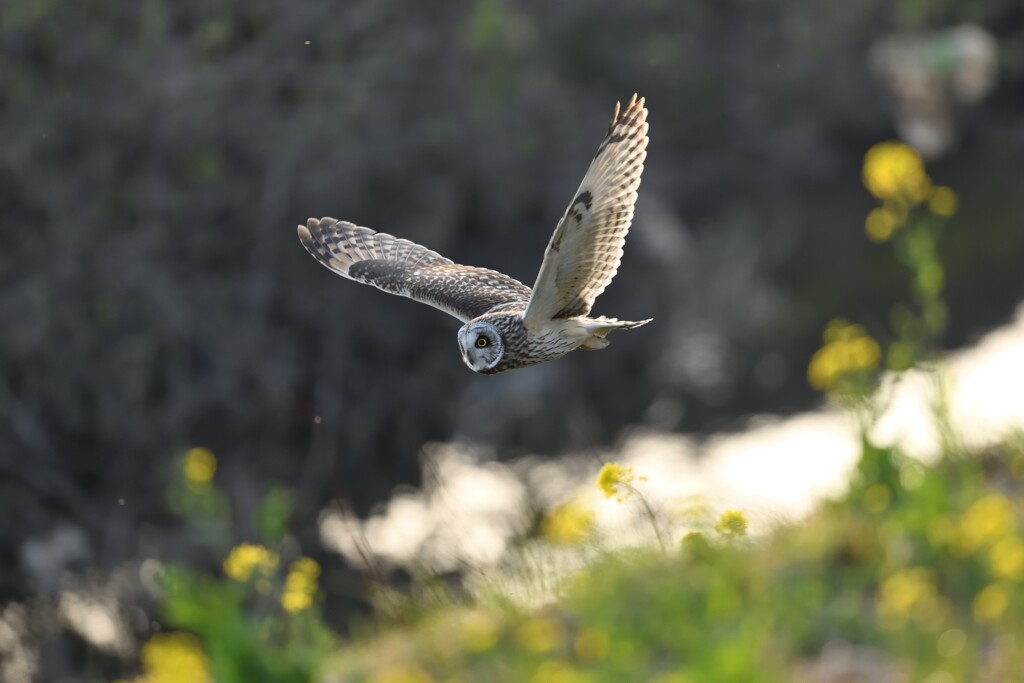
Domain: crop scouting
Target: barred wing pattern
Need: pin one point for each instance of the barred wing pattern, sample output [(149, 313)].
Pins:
[(586, 247), (401, 267)]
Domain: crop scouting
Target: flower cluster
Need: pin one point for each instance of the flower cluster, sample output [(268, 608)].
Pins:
[(199, 467), (909, 593), (300, 585), (732, 524), (480, 631), (540, 635), (895, 174), (615, 481), (988, 529), (172, 658), (894, 171), (568, 524), (847, 349), (246, 560)]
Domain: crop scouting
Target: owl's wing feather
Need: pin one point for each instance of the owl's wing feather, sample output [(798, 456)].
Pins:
[(398, 266), (586, 247)]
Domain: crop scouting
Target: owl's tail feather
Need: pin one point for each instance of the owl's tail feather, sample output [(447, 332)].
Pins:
[(601, 327)]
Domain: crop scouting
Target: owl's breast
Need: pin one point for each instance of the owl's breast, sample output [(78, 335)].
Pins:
[(524, 348)]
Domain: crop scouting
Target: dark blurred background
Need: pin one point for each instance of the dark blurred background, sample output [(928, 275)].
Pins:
[(155, 157)]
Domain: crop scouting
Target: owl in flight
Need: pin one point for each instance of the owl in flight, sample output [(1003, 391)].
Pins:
[(508, 325)]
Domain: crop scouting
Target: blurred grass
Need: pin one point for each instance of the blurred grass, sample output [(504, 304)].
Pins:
[(922, 565)]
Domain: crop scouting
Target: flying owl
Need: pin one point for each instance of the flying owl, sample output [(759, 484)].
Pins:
[(508, 325)]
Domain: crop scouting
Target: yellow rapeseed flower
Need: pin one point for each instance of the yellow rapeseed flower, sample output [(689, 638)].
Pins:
[(943, 202), (848, 348), (246, 559), (985, 521), (403, 674), (732, 524), (300, 585), (540, 635), (568, 524), (881, 223), (894, 171), (614, 481), (480, 631), (990, 603), (556, 671), (199, 467), (174, 657), (908, 593), (1006, 558)]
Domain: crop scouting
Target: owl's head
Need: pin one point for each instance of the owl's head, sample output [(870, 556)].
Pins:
[(481, 346)]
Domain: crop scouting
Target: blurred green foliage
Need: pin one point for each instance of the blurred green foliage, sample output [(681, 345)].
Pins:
[(252, 622), (916, 573), (921, 565), (244, 635)]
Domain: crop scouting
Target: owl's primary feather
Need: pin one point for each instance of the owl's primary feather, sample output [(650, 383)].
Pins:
[(401, 267), (506, 325), (586, 248)]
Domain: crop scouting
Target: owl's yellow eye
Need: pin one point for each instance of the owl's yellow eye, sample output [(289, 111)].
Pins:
[(481, 342)]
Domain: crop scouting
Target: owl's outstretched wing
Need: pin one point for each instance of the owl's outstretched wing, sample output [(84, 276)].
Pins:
[(402, 267), (584, 252)]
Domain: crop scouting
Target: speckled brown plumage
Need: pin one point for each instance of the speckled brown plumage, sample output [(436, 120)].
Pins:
[(508, 325), (405, 268)]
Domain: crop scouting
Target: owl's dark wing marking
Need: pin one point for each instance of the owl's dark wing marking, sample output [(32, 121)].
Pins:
[(401, 267), (586, 247)]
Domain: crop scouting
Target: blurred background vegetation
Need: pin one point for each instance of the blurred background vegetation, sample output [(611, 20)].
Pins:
[(155, 157)]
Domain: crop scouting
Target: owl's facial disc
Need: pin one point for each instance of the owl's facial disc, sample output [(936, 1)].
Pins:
[(481, 346)]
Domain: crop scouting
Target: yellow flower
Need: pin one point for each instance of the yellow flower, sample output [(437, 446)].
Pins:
[(881, 223), (556, 671), (403, 674), (568, 524), (540, 635), (893, 170), (943, 202), (200, 465), (732, 524), (246, 559), (990, 603), (909, 593), (480, 631), (173, 658), (986, 520), (300, 585), (614, 481), (1006, 558), (848, 348)]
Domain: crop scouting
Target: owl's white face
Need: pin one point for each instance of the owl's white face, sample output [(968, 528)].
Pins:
[(481, 346)]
